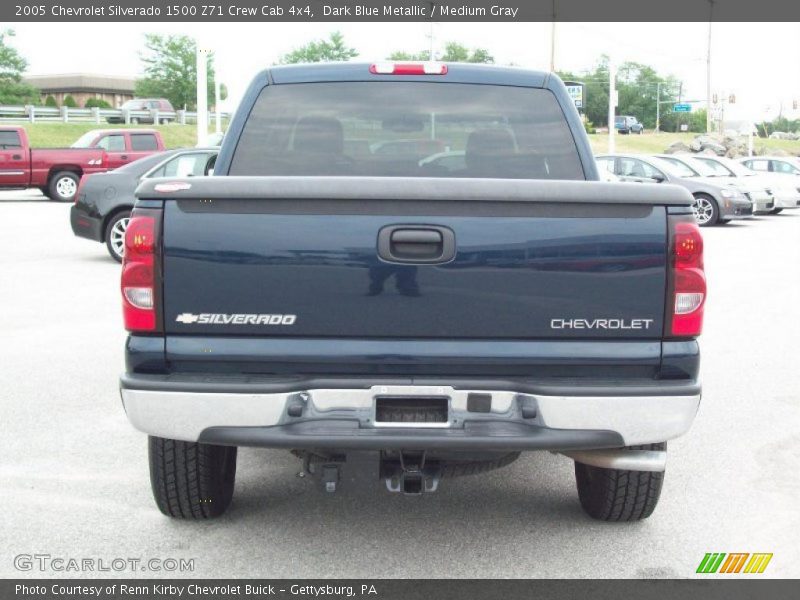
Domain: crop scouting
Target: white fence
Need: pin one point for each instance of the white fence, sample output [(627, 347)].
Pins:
[(47, 114)]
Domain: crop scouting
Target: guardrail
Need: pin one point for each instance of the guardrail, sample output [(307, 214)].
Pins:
[(48, 114)]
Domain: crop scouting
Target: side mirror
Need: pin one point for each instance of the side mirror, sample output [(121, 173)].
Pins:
[(658, 179)]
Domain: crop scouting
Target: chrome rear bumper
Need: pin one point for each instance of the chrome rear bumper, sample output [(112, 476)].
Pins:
[(346, 417)]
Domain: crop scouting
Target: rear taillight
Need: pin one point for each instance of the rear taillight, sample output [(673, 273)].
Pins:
[(141, 271), (417, 68), (687, 279), (80, 186)]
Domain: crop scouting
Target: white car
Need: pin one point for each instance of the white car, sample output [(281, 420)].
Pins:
[(752, 187), (784, 171)]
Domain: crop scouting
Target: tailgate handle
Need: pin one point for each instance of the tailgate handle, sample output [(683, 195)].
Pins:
[(416, 244)]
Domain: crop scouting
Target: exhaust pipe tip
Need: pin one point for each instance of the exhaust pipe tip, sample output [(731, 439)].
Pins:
[(621, 459)]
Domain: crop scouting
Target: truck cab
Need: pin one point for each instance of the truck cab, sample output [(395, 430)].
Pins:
[(122, 146)]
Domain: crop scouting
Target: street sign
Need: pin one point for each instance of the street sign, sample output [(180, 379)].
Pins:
[(682, 108), (575, 91)]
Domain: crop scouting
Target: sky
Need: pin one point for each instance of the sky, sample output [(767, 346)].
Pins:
[(758, 62)]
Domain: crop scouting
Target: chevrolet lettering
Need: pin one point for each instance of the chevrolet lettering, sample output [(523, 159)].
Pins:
[(601, 323)]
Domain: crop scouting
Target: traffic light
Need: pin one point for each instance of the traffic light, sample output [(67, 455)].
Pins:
[(732, 99), (794, 104), (714, 99)]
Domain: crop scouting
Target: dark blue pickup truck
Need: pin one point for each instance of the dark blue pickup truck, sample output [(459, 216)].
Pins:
[(410, 268)]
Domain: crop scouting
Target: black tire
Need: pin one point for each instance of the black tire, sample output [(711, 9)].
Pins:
[(115, 226), (705, 207), (191, 480), (461, 468), (617, 495), (45, 192), (775, 211), (60, 189)]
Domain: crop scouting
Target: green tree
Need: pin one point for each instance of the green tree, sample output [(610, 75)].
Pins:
[(639, 87), (400, 55), (12, 65), (50, 101), (331, 50), (170, 70), (69, 102), (453, 52)]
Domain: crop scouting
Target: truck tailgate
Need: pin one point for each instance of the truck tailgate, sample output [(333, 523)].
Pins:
[(530, 260)]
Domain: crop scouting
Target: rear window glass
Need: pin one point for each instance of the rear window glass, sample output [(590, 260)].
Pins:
[(9, 139), (407, 129), (143, 142)]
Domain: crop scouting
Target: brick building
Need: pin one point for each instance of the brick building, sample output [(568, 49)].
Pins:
[(82, 86)]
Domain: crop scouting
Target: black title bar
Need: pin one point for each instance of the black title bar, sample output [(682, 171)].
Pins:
[(398, 10)]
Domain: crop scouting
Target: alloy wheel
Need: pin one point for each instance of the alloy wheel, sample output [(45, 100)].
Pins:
[(703, 211)]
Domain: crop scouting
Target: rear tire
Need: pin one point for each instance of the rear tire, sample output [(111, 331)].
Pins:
[(191, 480), (618, 495), (775, 211), (115, 234), (452, 468), (63, 186)]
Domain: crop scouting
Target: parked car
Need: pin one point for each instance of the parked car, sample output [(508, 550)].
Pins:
[(713, 203), (54, 171), (104, 201), (122, 146), (437, 325), (779, 165), (215, 139), (151, 105), (626, 124), (784, 190), (605, 173), (784, 171), (753, 188)]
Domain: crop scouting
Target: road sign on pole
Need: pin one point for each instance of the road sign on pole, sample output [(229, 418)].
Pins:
[(682, 108), (576, 92)]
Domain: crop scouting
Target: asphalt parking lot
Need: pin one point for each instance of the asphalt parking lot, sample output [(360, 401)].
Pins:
[(74, 480)]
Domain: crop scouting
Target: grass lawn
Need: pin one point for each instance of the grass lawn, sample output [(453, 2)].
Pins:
[(54, 135), (59, 135), (656, 143)]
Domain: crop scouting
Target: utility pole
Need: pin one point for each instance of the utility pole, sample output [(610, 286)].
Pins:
[(708, 67), (612, 103), (553, 41), (658, 106), (202, 95), (217, 98)]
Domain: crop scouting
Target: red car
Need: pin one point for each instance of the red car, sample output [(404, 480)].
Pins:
[(57, 171)]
